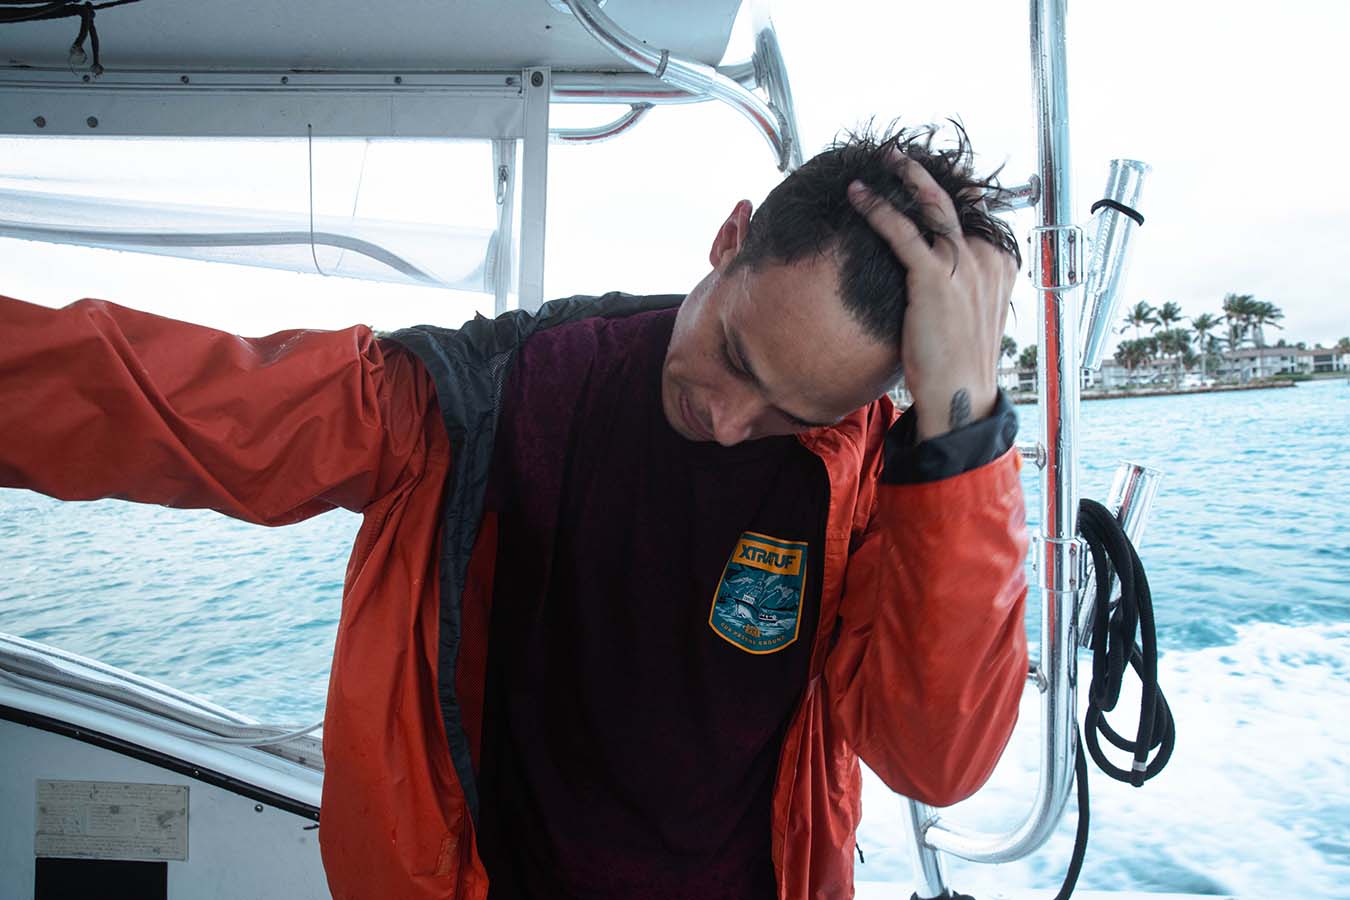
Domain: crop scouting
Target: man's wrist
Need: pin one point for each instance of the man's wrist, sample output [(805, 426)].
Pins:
[(909, 460), (940, 410)]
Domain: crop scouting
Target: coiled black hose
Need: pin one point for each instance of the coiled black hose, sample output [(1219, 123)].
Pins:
[(1113, 647)]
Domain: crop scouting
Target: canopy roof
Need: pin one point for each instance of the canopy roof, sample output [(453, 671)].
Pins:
[(228, 70), (412, 35)]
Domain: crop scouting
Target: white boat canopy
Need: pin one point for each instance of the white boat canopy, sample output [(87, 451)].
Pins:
[(329, 107)]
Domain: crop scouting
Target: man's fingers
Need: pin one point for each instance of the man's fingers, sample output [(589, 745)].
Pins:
[(897, 229), (933, 200)]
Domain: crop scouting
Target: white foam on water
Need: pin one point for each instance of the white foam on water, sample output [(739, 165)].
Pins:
[(1255, 801)]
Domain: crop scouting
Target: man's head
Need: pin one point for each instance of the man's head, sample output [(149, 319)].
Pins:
[(799, 322)]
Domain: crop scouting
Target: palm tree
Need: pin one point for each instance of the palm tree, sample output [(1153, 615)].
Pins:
[(1127, 354), (1027, 358), (1008, 348), (1169, 314), (1264, 313), (1149, 349), (1343, 345), (1139, 315), (1134, 353), (1203, 325), (1173, 343), (1237, 312)]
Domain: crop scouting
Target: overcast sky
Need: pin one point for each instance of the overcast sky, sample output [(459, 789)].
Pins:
[(1236, 105)]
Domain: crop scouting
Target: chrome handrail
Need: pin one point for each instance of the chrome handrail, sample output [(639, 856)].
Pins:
[(598, 133), (571, 86), (1057, 270), (775, 124)]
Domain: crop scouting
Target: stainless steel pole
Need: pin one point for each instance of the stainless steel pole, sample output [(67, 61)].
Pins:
[(1057, 270)]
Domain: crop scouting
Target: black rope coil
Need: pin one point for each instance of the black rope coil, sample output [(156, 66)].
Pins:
[(1113, 648)]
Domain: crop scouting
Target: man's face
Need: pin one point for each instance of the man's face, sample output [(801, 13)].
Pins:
[(768, 352)]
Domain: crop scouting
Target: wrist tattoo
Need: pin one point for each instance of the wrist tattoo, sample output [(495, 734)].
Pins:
[(960, 412)]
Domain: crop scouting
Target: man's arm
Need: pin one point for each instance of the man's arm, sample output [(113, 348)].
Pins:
[(931, 657), (97, 400)]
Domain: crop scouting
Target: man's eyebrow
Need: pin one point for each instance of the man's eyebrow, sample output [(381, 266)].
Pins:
[(735, 340)]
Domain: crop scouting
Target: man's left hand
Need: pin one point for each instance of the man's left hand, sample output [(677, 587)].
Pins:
[(958, 304)]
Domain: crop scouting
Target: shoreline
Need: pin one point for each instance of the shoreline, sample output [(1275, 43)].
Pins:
[(1024, 399)]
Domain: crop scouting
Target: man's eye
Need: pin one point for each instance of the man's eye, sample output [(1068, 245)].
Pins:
[(731, 363)]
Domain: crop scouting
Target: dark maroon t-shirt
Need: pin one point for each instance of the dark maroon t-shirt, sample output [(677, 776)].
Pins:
[(655, 605)]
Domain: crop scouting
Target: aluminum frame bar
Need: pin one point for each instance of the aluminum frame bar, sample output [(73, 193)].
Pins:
[(534, 190), (627, 87), (636, 113), (1057, 257), (39, 102), (777, 126)]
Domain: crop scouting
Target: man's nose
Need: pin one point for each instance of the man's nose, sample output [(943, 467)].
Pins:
[(734, 414)]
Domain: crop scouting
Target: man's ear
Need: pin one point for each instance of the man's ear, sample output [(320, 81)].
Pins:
[(730, 236)]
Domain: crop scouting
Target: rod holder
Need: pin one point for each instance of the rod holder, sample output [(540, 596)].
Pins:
[(1131, 502), (1109, 234)]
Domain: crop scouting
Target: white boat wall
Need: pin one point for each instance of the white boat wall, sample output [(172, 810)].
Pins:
[(120, 787)]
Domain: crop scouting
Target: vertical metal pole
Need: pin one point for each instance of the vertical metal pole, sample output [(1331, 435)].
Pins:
[(1057, 271), (929, 870), (534, 188)]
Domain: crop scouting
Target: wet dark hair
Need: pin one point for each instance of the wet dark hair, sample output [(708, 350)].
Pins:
[(809, 214)]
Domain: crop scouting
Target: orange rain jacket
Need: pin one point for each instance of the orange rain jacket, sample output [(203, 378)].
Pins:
[(919, 658)]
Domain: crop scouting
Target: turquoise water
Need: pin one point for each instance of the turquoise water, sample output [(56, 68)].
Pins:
[(1248, 554)]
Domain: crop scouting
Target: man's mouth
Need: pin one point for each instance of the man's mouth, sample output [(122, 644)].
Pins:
[(691, 422)]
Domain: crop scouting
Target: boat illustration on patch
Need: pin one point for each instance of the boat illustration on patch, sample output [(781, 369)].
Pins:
[(758, 602)]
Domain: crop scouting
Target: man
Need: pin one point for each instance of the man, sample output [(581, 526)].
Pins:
[(640, 579)]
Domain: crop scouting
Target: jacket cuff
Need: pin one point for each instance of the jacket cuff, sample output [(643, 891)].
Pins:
[(951, 454)]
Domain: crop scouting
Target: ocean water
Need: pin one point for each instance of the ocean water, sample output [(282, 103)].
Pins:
[(1247, 551)]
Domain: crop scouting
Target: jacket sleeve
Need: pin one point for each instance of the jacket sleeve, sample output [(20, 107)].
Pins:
[(97, 400), (930, 658)]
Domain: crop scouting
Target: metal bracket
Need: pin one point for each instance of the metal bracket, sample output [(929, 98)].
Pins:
[(1075, 568), (1056, 257)]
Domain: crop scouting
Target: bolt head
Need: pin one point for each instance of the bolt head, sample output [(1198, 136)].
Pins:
[(537, 79), (40, 121), (92, 121)]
